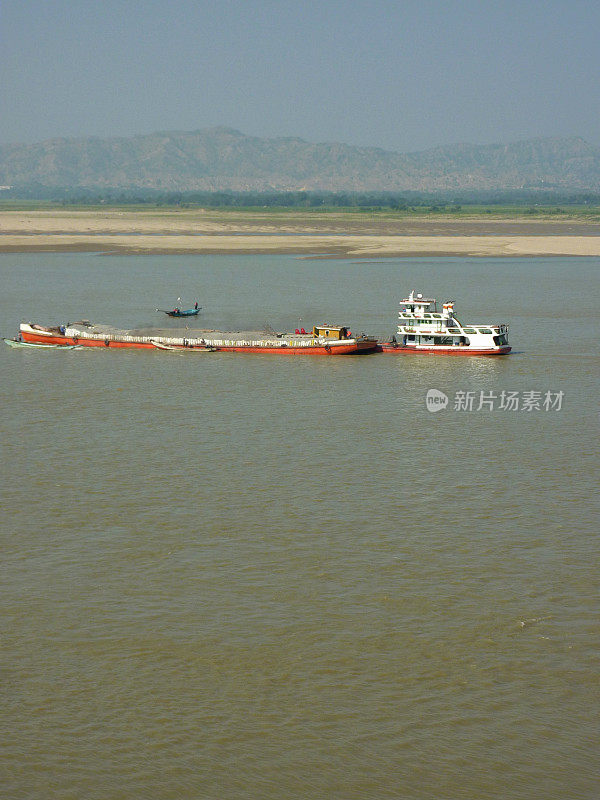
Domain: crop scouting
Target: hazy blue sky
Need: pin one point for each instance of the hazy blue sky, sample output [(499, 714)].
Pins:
[(400, 75)]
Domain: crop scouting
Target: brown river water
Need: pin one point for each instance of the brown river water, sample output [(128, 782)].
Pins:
[(253, 576)]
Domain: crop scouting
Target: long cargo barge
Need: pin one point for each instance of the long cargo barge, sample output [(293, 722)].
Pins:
[(322, 340)]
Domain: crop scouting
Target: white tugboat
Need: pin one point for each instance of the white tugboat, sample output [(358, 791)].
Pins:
[(424, 329)]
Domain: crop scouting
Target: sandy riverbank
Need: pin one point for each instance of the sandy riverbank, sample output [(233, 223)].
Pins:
[(333, 234)]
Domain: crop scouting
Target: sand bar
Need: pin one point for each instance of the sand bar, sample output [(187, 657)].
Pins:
[(331, 234)]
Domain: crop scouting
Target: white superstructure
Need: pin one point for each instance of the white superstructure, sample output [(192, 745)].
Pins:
[(422, 327)]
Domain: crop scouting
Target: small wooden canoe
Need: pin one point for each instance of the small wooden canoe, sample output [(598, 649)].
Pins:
[(179, 348), (17, 343), (178, 312)]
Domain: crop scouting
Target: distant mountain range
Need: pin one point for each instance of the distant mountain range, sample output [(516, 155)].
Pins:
[(221, 159)]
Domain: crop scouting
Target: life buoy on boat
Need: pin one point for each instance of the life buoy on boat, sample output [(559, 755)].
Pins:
[(327, 349)]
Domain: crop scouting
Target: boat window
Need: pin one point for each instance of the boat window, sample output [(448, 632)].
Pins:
[(436, 316), (485, 330), (469, 330)]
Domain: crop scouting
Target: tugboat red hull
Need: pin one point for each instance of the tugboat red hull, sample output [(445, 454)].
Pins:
[(402, 350)]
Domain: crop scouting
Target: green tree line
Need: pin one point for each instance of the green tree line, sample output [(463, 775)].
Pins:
[(361, 201)]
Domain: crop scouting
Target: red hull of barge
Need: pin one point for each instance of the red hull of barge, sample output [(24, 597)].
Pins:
[(349, 349), (45, 338), (400, 350)]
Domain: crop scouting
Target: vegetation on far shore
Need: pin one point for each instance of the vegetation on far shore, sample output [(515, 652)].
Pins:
[(507, 204)]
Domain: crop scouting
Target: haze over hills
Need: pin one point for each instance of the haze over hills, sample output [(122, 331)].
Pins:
[(220, 159)]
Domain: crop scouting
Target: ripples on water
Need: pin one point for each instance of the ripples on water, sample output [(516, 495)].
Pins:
[(239, 576)]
